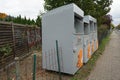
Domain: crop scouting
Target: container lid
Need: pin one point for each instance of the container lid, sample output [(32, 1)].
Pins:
[(71, 6)]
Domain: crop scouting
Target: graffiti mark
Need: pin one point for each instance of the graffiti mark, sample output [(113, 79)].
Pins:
[(33, 37), (20, 37)]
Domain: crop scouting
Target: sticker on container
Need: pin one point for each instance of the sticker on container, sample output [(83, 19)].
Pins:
[(89, 55), (97, 44), (80, 59), (93, 46)]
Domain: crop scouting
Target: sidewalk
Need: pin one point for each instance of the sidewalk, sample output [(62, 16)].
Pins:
[(108, 65)]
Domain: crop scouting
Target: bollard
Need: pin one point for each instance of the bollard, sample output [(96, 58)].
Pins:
[(17, 64), (58, 60), (34, 67)]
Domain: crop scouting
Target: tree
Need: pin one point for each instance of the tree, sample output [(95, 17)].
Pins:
[(3, 15), (38, 20), (112, 26), (8, 18), (102, 7), (118, 26), (107, 19), (17, 19), (96, 8), (32, 22)]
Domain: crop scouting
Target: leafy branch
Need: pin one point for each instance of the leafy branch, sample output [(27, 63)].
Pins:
[(5, 50)]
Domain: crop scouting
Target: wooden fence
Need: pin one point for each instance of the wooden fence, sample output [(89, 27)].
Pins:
[(21, 38)]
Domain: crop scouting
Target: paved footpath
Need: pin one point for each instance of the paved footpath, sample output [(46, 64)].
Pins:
[(108, 65)]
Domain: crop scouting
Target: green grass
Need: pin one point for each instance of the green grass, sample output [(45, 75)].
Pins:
[(84, 72)]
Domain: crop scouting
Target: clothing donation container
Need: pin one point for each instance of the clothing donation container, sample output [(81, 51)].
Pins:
[(91, 35), (64, 24), (95, 35), (87, 47)]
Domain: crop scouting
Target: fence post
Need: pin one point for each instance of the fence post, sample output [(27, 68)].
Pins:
[(27, 37), (40, 37), (34, 67), (17, 64), (58, 61), (8, 73), (13, 36), (35, 37)]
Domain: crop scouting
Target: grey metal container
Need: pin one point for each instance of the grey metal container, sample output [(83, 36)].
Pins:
[(64, 24), (92, 33), (87, 47), (95, 35)]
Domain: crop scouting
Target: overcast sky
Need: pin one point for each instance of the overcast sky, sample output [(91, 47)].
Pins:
[(31, 8), (28, 8), (115, 11)]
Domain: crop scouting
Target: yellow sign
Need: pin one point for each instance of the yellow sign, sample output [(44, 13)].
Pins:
[(97, 44), (80, 59), (93, 46), (89, 55)]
